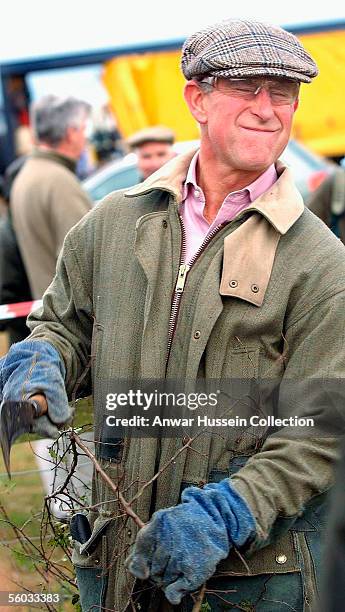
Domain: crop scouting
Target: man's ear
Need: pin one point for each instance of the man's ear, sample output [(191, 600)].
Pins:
[(68, 134), (196, 100), (295, 105)]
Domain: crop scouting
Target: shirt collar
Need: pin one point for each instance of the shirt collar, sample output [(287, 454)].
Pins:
[(254, 189), (191, 176)]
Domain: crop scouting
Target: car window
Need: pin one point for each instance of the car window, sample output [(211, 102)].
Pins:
[(122, 178)]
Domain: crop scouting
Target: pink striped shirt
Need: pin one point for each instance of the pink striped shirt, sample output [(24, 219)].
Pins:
[(192, 206)]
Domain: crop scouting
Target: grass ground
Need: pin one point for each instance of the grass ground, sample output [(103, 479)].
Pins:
[(22, 499)]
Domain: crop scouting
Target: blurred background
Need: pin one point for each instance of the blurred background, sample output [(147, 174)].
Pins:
[(123, 59), (125, 63)]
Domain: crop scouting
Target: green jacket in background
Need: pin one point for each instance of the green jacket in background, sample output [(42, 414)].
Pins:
[(283, 317), (328, 202)]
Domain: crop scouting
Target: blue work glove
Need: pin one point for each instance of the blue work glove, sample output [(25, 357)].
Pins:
[(35, 366), (180, 547)]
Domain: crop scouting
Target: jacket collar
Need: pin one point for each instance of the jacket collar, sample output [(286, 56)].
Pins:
[(281, 205), (67, 162)]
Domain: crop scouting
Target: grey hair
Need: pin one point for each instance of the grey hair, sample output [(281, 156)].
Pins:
[(205, 83), (51, 116)]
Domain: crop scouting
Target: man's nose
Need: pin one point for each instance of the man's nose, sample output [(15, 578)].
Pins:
[(262, 104)]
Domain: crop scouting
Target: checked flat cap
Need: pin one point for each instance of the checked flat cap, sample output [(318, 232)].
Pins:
[(243, 48)]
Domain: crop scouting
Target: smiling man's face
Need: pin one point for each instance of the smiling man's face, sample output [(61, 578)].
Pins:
[(246, 135)]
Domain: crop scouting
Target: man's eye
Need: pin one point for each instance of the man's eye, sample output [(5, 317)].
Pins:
[(243, 89), (278, 93)]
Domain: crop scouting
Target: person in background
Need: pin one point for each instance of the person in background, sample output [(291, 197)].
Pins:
[(46, 197), (153, 147), (14, 283), (328, 202)]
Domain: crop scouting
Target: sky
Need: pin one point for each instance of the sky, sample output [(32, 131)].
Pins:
[(39, 28), (84, 83)]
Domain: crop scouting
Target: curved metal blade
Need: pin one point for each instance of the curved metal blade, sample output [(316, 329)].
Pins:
[(16, 418)]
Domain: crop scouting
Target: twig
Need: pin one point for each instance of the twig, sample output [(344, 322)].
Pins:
[(126, 506), (70, 473), (243, 560), (199, 599), (160, 472)]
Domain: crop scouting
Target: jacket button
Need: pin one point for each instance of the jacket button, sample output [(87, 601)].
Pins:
[(129, 532), (185, 440), (165, 223), (233, 283), (96, 561), (255, 288), (197, 334), (281, 559)]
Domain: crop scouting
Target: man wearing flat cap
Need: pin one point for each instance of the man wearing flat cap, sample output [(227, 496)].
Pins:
[(153, 147), (210, 270)]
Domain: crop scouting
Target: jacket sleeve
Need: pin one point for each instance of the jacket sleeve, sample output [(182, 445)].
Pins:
[(293, 468), (66, 317)]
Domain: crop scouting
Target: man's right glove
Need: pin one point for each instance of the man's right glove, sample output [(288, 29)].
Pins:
[(181, 546), (32, 367)]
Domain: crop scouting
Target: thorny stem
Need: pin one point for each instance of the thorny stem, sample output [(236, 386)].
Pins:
[(62, 487), (126, 506), (199, 599), (160, 472)]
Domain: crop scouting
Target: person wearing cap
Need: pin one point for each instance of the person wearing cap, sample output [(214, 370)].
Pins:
[(210, 269), (153, 147)]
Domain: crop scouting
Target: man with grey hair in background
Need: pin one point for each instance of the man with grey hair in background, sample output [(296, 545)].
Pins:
[(47, 199)]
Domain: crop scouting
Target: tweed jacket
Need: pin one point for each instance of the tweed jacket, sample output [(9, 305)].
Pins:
[(284, 316)]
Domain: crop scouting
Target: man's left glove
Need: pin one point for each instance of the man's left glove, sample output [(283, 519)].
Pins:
[(180, 547)]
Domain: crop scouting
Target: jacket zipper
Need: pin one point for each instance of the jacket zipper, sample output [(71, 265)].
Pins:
[(181, 280)]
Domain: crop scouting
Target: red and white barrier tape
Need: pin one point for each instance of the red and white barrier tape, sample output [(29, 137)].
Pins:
[(21, 309)]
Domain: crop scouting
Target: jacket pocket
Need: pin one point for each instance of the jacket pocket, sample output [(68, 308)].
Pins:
[(280, 557), (93, 552), (310, 549), (90, 562), (241, 362)]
